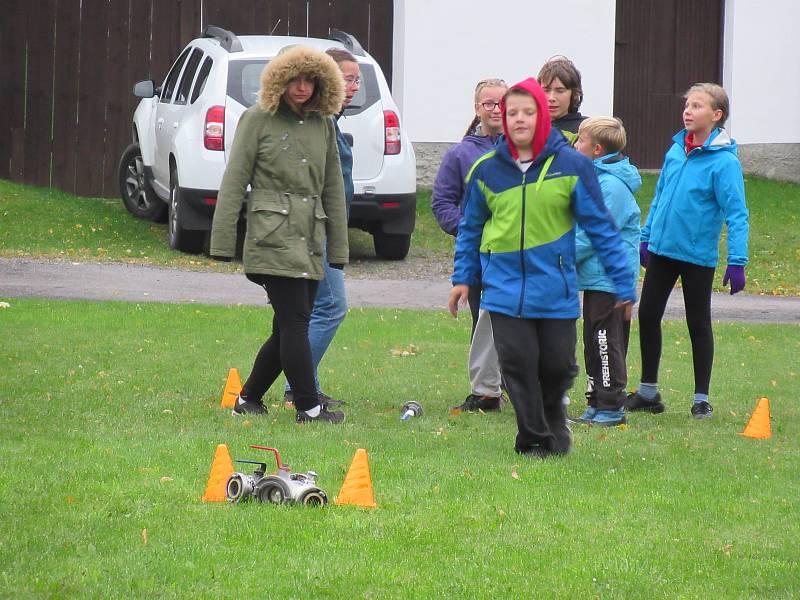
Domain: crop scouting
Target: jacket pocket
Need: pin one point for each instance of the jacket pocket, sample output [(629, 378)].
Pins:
[(268, 222), (318, 235)]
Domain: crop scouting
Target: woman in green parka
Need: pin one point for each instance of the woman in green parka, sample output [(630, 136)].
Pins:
[(285, 150)]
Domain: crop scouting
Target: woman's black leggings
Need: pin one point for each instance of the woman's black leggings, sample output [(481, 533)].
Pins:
[(659, 279), (287, 349)]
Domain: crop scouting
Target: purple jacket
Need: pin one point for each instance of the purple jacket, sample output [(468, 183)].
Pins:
[(449, 188)]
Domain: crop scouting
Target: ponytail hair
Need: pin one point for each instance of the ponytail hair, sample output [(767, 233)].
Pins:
[(482, 84)]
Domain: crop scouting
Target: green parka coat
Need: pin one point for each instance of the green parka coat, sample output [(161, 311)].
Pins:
[(291, 162)]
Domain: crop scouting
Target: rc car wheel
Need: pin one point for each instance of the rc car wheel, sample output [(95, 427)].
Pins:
[(238, 488), (314, 498), (137, 195), (391, 246), (185, 240), (273, 490)]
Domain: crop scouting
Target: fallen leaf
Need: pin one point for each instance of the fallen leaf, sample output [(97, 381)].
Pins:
[(727, 549), (165, 479), (70, 500), (167, 411), (144, 535), (514, 473)]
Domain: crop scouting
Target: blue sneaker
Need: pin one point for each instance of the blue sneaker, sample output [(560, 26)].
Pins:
[(609, 418), (586, 417)]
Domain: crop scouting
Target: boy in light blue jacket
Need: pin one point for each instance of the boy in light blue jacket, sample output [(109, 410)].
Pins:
[(606, 328)]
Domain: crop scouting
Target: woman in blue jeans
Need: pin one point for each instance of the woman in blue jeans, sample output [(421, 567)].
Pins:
[(330, 305)]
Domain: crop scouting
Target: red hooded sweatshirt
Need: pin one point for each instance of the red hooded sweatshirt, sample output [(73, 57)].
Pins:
[(542, 130)]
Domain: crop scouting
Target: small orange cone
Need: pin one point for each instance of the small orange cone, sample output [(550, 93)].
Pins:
[(758, 426), (232, 388), (357, 486), (221, 469)]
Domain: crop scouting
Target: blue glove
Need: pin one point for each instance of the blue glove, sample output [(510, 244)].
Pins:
[(644, 254), (735, 275)]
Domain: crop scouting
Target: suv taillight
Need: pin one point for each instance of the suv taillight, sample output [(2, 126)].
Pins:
[(214, 133), (391, 125)]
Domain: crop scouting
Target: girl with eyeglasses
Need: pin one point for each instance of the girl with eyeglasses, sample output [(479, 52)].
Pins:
[(446, 203)]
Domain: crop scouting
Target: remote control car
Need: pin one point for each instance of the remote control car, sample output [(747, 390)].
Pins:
[(283, 487)]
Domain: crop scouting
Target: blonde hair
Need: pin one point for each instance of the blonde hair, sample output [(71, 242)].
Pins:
[(609, 132), (482, 85), (719, 98)]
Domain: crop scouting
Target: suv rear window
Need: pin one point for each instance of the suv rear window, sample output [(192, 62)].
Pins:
[(244, 82)]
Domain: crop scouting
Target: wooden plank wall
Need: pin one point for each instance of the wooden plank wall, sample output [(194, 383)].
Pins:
[(69, 67)]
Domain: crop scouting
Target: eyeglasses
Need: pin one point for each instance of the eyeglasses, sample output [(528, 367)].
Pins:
[(490, 106), (350, 80)]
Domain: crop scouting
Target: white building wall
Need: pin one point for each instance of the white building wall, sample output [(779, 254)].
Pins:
[(442, 48), (761, 70)]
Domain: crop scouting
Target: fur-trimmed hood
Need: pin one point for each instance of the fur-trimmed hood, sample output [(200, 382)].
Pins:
[(295, 61)]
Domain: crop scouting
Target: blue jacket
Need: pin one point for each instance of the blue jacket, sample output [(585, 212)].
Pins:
[(346, 158), (693, 195), (518, 232), (619, 180), (449, 187)]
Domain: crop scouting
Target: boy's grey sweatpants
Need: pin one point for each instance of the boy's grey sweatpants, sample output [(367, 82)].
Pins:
[(484, 366)]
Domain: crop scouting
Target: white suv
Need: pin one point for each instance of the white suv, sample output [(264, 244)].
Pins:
[(183, 131)]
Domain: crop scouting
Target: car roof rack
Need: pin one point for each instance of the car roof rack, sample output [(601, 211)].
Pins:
[(227, 39), (350, 42)]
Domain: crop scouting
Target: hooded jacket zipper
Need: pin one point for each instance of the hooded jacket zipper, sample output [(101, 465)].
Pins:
[(522, 249)]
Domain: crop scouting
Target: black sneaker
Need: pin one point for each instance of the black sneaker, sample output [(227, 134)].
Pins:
[(324, 400), (535, 452), (336, 416), (475, 403), (702, 410), (248, 407), (636, 402)]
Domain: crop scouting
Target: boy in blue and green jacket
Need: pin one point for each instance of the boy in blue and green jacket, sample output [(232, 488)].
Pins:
[(517, 237)]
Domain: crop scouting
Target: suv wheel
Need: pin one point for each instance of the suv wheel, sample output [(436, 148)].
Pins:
[(185, 240), (137, 195), (391, 246)]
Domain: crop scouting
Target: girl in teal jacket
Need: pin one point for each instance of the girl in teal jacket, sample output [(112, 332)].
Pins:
[(700, 186)]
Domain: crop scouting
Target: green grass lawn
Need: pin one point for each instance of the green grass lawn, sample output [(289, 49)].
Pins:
[(109, 417), (46, 223)]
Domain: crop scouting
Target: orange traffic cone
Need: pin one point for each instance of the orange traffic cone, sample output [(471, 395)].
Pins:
[(357, 486), (221, 469), (758, 426), (232, 388)]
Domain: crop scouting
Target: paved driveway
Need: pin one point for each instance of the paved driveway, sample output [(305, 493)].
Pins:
[(22, 277)]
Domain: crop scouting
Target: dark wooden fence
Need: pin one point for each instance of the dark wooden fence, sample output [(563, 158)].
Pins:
[(67, 68)]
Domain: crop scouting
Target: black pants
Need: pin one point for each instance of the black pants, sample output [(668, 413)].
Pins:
[(606, 333), (659, 279), (537, 358), (474, 299), (287, 349)]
